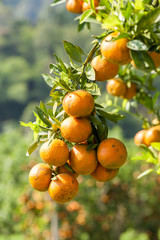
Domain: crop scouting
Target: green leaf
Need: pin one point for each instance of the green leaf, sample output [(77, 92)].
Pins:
[(48, 79), (62, 65), (64, 85), (68, 167), (110, 21), (32, 147), (137, 45), (155, 98), (57, 2), (85, 15), (56, 94), (150, 18), (156, 145), (55, 105), (73, 51), (146, 172), (33, 126), (142, 60), (139, 5), (95, 120), (43, 107), (127, 10), (110, 116), (43, 116), (53, 68), (92, 146)]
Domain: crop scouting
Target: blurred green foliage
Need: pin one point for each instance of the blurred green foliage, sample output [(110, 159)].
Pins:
[(26, 46)]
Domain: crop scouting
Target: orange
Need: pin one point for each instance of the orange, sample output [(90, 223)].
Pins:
[(152, 135), (74, 6), (56, 153), (111, 153), (103, 174), (76, 129), (131, 92), (116, 87), (64, 188), (104, 70), (78, 103), (83, 161), (40, 176), (86, 6), (139, 137), (63, 169), (115, 51), (155, 57)]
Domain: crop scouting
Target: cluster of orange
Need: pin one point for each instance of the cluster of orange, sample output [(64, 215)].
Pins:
[(79, 6), (102, 164), (148, 136), (119, 88)]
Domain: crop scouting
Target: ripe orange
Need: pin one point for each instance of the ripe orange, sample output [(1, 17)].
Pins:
[(64, 188), (79, 103), (139, 137), (131, 92), (155, 57), (40, 176), (115, 51), (86, 6), (74, 6), (83, 161), (111, 153), (103, 174), (116, 87), (56, 153), (63, 169), (76, 129), (104, 70), (152, 135)]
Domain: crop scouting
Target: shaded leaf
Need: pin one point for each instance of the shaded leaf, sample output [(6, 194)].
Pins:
[(110, 116), (32, 147), (43, 116)]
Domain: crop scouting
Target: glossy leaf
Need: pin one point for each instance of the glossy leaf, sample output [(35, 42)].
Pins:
[(145, 173), (73, 51), (110, 116), (150, 18), (137, 45), (43, 116), (86, 15)]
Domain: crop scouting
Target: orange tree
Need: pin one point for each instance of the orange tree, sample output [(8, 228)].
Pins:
[(130, 44)]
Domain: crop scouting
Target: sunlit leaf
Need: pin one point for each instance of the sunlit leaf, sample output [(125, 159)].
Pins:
[(146, 172), (85, 15), (137, 45), (156, 145), (73, 51), (32, 147)]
